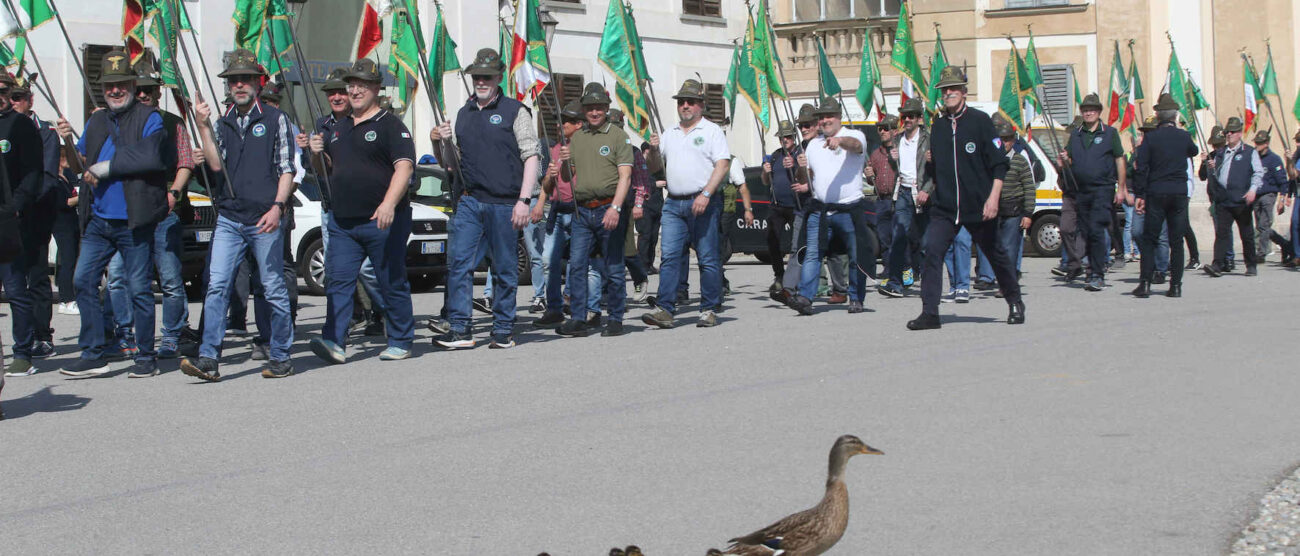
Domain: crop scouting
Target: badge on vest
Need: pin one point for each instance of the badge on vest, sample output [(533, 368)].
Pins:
[(371, 136), (1237, 158), (604, 150), (970, 147), (495, 119), (1096, 140), (4, 146), (259, 130), (406, 135)]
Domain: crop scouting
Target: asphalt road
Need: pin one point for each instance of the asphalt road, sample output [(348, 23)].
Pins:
[(1106, 425)]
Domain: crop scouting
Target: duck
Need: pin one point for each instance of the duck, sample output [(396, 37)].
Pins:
[(816, 529), (616, 551), (632, 550)]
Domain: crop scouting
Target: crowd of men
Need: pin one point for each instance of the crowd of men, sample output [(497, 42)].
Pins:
[(594, 204)]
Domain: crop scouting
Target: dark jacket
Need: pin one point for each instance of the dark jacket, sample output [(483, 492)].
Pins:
[(252, 162), (141, 163), (1093, 165), (924, 180), (1240, 175), (489, 150), (1160, 166), (1275, 180), (23, 172), (965, 161)]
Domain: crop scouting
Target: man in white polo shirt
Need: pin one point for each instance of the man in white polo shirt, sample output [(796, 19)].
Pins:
[(695, 159), (835, 158)]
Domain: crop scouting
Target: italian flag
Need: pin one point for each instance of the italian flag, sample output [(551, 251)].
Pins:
[(1252, 93), (529, 66), (1119, 85), (369, 31), (1130, 105), (908, 91)]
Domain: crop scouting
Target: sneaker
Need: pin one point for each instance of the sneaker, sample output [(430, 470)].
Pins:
[(1251, 271), (538, 306), (952, 296), (190, 349), (549, 319), (889, 291), (907, 278), (69, 308), (240, 332), (574, 328), (191, 335), (1095, 285), (143, 369), (20, 367), (707, 320), (982, 285), (126, 348), (394, 353), (438, 326), (454, 340), (775, 287), (683, 298), (328, 351), (659, 318), (483, 304), (501, 341), (1158, 278), (259, 352), (277, 369), (168, 348), (42, 349), (613, 328), (203, 368), (1193, 265), (961, 296), (856, 307), (1058, 271), (1131, 258), (803, 305), (85, 368), (593, 320), (640, 291)]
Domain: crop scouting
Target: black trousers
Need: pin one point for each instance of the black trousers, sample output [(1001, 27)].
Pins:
[(938, 237), (647, 237), (36, 238), (1093, 204), (1162, 209), (778, 217), (67, 236), (1224, 218), (1193, 252)]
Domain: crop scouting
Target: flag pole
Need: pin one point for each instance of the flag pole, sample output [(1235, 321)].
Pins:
[(447, 146), (288, 97), (780, 68), (314, 109), (1264, 97), (656, 122), (198, 49), (1280, 100), (85, 82), (189, 64), (1141, 114), (468, 91)]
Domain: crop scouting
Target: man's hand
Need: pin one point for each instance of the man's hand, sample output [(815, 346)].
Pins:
[(520, 216), (767, 167), (869, 172), (438, 133), (383, 216), (654, 141), (922, 197), (803, 160), (749, 218), (1140, 206), (661, 184), (199, 156), (833, 144), (301, 139), (536, 213), (638, 213), (317, 143), (564, 153), (1250, 196), (699, 205), (799, 187), (171, 202), (929, 157), (1026, 222), (610, 221), (270, 221), (1212, 164), (1063, 158), (1131, 200), (203, 112), (1285, 204), (64, 128), (1119, 197), (787, 161), (893, 152), (990, 208), (90, 178)]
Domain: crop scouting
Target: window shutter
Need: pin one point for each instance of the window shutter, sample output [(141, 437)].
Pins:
[(569, 86), (715, 107), (92, 57), (1058, 92)]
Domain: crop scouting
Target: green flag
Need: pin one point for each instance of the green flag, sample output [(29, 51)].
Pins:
[(1296, 109), (249, 18), (1268, 85), (827, 84), (750, 83), (869, 79), (15, 56), (1177, 88), (729, 89), (1009, 104), (937, 63), (505, 45), (617, 56), (904, 57), (277, 38), (634, 39), (765, 56), (38, 11), (163, 30), (404, 55), (442, 58), (1078, 95), (1035, 73)]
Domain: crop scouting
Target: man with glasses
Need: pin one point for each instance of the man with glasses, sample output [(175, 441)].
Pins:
[(911, 144), (1238, 175), (968, 171), (780, 174), (499, 156), (1163, 180), (801, 193), (1095, 157), (22, 153), (253, 147), (557, 189), (696, 159), (128, 156)]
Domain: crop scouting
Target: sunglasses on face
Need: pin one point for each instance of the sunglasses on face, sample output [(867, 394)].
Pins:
[(571, 121), (19, 97), (687, 101), (805, 126)]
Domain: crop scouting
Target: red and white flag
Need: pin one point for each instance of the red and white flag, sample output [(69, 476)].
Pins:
[(906, 92), (1252, 93), (369, 32), (529, 64), (1130, 106)]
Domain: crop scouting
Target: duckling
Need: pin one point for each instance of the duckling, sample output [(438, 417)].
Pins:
[(815, 530), (616, 551)]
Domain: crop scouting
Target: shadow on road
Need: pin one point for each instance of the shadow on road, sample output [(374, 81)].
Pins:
[(42, 401)]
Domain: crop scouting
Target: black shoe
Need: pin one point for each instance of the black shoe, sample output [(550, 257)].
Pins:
[(1175, 290), (259, 352), (1016, 314), (803, 305), (924, 322), (1071, 275), (483, 305), (1193, 265), (190, 335), (984, 286), (1095, 285), (613, 328), (1158, 278), (574, 328), (501, 341), (783, 297), (890, 290), (682, 299), (856, 307), (438, 326), (538, 306), (1212, 270), (277, 369), (204, 368), (190, 349), (593, 320), (82, 368), (1059, 271), (454, 340), (374, 328), (1143, 290), (1251, 271), (549, 319), (143, 369)]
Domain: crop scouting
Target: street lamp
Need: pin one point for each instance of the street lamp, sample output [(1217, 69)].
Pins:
[(549, 23)]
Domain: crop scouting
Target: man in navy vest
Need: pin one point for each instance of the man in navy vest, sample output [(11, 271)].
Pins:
[(498, 168), (253, 147), (1162, 181), (127, 154), (370, 157), (1095, 157), (1274, 184), (1238, 176)]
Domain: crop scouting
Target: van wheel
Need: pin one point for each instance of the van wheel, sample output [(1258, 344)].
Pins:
[(1045, 235), (313, 267)]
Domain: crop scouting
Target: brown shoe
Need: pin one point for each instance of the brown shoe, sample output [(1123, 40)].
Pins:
[(838, 299)]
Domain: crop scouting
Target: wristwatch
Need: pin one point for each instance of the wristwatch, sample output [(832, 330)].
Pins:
[(279, 204), (525, 200), (618, 208), (706, 194), (175, 193)]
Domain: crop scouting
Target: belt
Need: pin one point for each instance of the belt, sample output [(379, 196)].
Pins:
[(686, 197), (597, 203)]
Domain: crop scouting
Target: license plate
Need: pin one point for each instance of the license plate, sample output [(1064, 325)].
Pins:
[(432, 247), (203, 236)]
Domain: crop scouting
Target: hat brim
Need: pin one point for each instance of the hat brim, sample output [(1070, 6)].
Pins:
[(591, 100), (687, 95), (946, 84), (481, 70), (147, 82), (334, 86), (117, 78), (1083, 107), (239, 72), (1165, 107)]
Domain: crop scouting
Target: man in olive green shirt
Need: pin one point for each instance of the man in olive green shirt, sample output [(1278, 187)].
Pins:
[(602, 173)]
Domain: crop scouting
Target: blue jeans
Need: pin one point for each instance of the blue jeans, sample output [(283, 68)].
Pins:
[(535, 242), (899, 247), (1295, 228), (354, 240), (230, 240), (103, 239), (477, 223), (1162, 249), (840, 224), (368, 279), (167, 261), (588, 232), (553, 253), (1011, 240), (14, 275), (1130, 246), (680, 229), (958, 261)]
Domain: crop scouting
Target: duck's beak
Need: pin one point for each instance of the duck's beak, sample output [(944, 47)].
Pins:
[(868, 450)]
